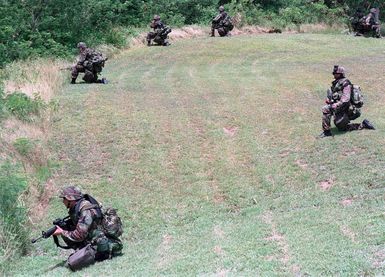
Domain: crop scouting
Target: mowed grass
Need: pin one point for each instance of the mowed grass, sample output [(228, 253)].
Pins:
[(208, 150)]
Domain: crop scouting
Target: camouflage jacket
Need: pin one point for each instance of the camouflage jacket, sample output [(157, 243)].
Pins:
[(341, 90), (157, 25), (85, 55), (85, 222), (220, 17)]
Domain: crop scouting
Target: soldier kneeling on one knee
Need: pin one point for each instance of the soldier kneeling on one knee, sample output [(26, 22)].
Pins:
[(91, 63), (344, 101), (84, 230)]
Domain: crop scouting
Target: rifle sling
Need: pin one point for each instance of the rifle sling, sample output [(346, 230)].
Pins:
[(56, 240)]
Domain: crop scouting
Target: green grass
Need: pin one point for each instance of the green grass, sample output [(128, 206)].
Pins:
[(198, 201)]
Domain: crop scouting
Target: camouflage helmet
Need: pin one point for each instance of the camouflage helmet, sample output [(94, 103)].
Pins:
[(71, 193), (338, 69), (221, 9), (81, 45), (156, 17)]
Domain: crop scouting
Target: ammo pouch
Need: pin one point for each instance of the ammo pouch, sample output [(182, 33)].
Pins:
[(82, 258)]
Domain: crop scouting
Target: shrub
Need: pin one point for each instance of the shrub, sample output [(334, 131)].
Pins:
[(22, 106)]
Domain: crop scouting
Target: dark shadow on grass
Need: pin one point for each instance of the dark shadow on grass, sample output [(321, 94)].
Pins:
[(337, 132), (61, 264)]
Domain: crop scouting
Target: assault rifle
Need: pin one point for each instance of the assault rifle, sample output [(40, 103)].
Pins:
[(63, 223)]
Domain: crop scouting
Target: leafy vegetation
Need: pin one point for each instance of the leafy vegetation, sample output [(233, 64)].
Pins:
[(41, 28), (22, 106)]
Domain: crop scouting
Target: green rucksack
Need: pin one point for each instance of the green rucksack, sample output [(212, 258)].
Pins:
[(356, 101), (356, 98), (111, 223)]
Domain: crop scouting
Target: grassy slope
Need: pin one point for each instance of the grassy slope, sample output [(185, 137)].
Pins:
[(198, 201)]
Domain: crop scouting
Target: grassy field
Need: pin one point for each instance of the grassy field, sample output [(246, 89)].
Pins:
[(208, 149)]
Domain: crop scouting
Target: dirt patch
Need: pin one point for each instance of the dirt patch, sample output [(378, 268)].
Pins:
[(347, 232), (218, 232), (379, 259), (285, 256), (38, 210), (230, 131), (162, 252), (302, 164), (326, 184), (347, 202), (218, 250), (222, 272)]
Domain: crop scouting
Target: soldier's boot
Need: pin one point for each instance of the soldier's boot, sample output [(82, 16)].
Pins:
[(367, 125), (212, 32), (73, 81), (148, 42), (102, 81), (326, 133)]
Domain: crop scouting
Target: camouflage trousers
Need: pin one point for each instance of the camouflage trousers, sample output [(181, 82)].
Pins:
[(341, 120), (150, 36), (222, 31), (89, 76)]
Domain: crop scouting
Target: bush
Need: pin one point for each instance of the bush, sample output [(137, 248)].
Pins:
[(24, 107), (13, 216)]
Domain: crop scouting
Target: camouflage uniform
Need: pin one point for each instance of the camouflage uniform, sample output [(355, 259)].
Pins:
[(85, 65), (158, 27), (217, 23), (369, 24), (340, 106), (84, 227)]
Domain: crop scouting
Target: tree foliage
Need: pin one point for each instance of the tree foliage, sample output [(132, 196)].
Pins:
[(53, 27)]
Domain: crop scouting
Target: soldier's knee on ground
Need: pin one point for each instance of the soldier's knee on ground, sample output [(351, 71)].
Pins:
[(342, 122), (89, 77)]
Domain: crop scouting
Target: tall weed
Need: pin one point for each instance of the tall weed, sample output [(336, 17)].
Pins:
[(13, 214)]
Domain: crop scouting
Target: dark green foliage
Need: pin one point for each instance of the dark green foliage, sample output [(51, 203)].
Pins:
[(53, 27), (22, 106)]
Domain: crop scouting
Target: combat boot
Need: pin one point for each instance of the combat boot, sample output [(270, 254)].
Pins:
[(367, 125), (73, 81), (326, 133)]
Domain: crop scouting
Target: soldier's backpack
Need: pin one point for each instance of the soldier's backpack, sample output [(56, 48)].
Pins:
[(356, 98), (97, 59), (228, 23), (356, 101), (111, 223)]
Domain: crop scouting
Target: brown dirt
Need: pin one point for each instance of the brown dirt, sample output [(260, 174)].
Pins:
[(39, 209), (230, 131), (347, 232), (347, 202), (326, 184)]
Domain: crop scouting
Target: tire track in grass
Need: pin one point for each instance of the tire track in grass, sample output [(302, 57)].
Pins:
[(285, 257)]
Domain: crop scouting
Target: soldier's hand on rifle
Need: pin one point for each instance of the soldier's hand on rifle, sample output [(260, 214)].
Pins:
[(327, 101), (58, 231), (334, 106)]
